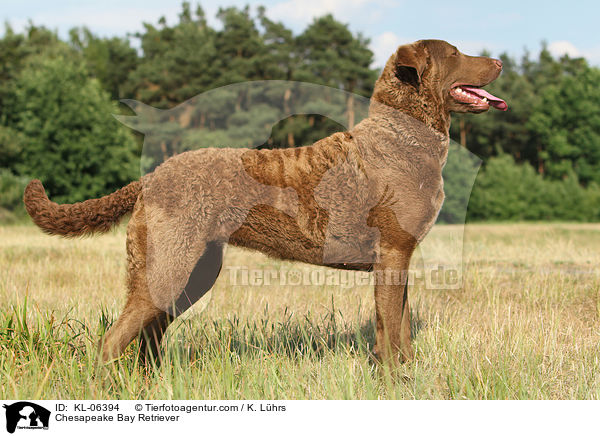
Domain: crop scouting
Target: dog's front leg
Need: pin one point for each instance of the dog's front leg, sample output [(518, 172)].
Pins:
[(391, 305)]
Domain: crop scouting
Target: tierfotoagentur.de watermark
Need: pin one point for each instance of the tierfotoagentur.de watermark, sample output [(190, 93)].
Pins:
[(437, 278)]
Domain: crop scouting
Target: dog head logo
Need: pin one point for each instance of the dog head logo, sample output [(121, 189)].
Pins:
[(26, 415)]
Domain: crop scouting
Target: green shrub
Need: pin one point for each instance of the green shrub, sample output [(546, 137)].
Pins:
[(11, 196), (506, 191), (73, 143)]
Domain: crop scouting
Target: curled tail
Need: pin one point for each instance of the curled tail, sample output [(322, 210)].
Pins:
[(97, 215)]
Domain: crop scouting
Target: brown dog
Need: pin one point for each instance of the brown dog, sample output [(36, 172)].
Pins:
[(361, 199)]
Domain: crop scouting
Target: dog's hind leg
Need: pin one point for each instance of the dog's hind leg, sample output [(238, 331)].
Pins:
[(170, 266), (137, 315), (201, 280), (151, 337), (139, 311)]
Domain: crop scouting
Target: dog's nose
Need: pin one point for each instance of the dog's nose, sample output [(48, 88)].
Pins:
[(498, 63)]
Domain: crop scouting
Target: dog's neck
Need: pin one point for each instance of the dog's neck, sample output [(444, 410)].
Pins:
[(427, 111), (409, 128), (439, 124)]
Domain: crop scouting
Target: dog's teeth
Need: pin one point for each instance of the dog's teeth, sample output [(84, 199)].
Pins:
[(485, 100)]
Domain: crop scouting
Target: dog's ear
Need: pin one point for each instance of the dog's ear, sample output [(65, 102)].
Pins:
[(411, 61)]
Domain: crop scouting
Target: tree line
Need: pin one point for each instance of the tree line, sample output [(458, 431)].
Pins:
[(541, 158)]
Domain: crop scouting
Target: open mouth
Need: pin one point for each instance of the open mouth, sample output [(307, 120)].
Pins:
[(477, 97)]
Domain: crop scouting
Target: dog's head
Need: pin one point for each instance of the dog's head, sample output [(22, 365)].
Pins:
[(428, 79)]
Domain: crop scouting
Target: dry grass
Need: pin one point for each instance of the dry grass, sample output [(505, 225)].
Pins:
[(524, 325)]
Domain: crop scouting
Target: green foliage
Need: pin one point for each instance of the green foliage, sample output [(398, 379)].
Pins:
[(11, 145), (277, 60), (505, 191), (74, 145), (15, 49), (11, 195), (178, 63), (334, 57), (567, 123), (110, 60), (240, 47)]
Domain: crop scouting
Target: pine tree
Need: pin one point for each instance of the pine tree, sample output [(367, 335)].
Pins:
[(178, 61), (110, 60)]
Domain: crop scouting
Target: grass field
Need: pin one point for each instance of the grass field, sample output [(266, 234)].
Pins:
[(523, 326)]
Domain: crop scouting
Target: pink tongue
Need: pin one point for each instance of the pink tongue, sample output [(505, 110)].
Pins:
[(494, 101)]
